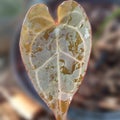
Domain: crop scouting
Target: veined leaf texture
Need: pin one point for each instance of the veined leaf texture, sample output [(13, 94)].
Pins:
[(56, 55)]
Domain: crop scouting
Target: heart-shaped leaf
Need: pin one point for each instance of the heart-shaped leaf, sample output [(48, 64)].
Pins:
[(56, 55)]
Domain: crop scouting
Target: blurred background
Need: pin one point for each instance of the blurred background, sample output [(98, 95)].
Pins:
[(99, 95)]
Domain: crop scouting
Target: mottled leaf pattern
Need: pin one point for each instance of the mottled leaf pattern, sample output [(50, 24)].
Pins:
[(56, 56)]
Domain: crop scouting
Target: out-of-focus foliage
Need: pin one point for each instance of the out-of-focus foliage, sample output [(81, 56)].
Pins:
[(10, 8)]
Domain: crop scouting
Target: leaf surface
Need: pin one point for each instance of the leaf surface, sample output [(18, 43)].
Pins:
[(56, 56)]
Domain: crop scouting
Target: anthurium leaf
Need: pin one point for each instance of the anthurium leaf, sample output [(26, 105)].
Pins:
[(56, 55)]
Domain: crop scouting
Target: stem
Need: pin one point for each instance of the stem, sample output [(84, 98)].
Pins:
[(61, 117)]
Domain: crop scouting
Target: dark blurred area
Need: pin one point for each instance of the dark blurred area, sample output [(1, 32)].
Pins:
[(99, 95)]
